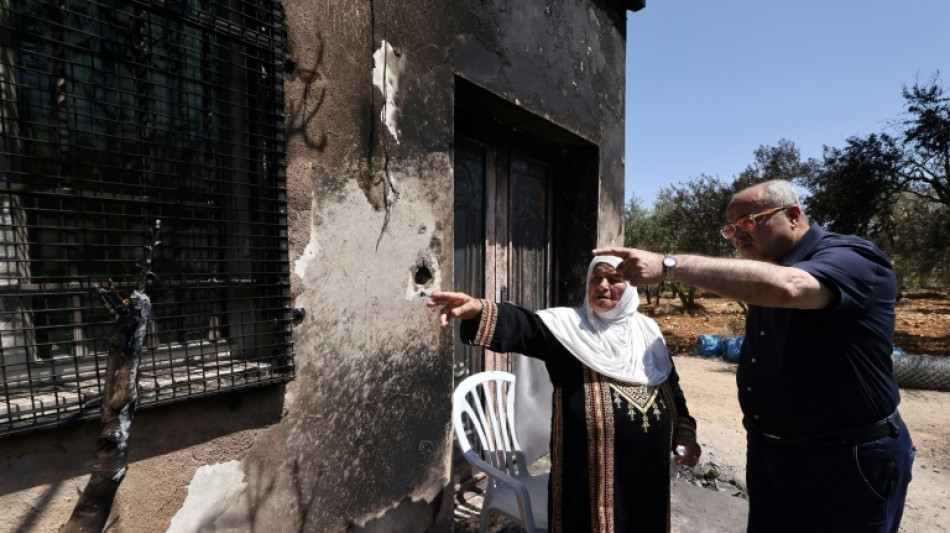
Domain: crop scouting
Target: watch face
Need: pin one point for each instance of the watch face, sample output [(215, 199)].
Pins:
[(669, 261)]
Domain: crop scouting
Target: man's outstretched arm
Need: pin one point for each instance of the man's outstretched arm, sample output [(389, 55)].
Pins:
[(754, 282)]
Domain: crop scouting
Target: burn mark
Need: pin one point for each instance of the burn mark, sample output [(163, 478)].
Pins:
[(301, 113)]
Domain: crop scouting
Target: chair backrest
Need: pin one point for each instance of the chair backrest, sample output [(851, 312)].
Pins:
[(483, 417)]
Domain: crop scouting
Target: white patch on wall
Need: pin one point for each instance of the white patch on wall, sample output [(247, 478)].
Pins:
[(216, 501), (385, 59), (309, 254)]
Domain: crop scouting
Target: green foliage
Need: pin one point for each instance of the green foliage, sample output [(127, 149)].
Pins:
[(692, 214), (780, 162), (926, 142), (854, 189), (642, 230), (891, 187), (894, 188), (917, 241), (639, 226)]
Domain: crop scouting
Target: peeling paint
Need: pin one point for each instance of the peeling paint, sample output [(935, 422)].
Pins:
[(217, 500), (392, 194), (406, 515), (310, 253), (386, 62)]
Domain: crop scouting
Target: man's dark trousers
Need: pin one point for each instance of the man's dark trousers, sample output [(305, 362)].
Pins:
[(857, 488)]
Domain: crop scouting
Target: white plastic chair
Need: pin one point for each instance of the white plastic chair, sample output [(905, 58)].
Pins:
[(484, 402)]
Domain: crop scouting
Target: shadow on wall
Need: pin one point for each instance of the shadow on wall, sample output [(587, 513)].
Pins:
[(52, 456)]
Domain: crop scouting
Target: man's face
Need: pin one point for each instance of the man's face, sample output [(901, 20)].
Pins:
[(605, 288), (773, 235)]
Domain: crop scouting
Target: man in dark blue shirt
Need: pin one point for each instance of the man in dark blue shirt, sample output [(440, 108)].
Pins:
[(827, 450)]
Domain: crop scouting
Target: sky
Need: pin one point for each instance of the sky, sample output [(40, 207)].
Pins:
[(709, 82)]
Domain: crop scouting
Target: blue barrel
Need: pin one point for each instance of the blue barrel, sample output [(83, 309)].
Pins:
[(731, 347), (709, 345)]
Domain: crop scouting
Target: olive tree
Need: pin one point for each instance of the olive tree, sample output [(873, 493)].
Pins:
[(689, 217)]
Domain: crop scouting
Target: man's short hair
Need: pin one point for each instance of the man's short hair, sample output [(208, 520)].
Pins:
[(780, 192), (774, 193)]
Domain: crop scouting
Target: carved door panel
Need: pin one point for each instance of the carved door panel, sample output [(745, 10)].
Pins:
[(529, 277), (505, 254), (471, 176)]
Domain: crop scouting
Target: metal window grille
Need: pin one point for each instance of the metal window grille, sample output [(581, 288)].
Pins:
[(114, 114)]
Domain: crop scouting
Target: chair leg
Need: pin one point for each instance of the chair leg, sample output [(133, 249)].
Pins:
[(485, 520)]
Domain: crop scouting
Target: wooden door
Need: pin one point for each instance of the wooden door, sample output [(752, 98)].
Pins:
[(471, 177), (502, 233)]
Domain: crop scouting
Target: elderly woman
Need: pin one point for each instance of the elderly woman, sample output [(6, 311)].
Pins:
[(618, 409)]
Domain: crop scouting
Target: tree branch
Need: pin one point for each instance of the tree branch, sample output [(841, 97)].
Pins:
[(119, 400)]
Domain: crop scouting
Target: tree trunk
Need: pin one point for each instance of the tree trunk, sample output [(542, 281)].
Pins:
[(648, 291), (120, 398)]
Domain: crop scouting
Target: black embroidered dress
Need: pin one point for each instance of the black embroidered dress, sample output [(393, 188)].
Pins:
[(610, 441)]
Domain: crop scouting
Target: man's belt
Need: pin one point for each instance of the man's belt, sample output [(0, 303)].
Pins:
[(848, 437)]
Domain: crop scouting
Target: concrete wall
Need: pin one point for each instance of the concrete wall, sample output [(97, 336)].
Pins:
[(361, 439)]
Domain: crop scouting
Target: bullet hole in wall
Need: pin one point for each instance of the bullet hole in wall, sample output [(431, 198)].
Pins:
[(422, 275)]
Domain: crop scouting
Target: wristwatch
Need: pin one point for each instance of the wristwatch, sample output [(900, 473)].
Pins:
[(669, 267)]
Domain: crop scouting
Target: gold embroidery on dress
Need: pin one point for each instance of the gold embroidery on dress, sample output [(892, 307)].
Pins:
[(640, 396), (557, 456), (600, 451)]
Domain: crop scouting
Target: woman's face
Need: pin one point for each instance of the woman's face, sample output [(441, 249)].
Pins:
[(605, 288)]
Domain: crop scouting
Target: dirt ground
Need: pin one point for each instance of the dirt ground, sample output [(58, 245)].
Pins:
[(923, 327)]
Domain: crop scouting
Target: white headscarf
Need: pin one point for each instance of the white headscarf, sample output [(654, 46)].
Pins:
[(620, 343)]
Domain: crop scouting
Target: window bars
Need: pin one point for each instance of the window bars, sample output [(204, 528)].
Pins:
[(114, 114)]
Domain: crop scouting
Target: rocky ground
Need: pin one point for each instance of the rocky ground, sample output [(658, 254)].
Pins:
[(710, 498)]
